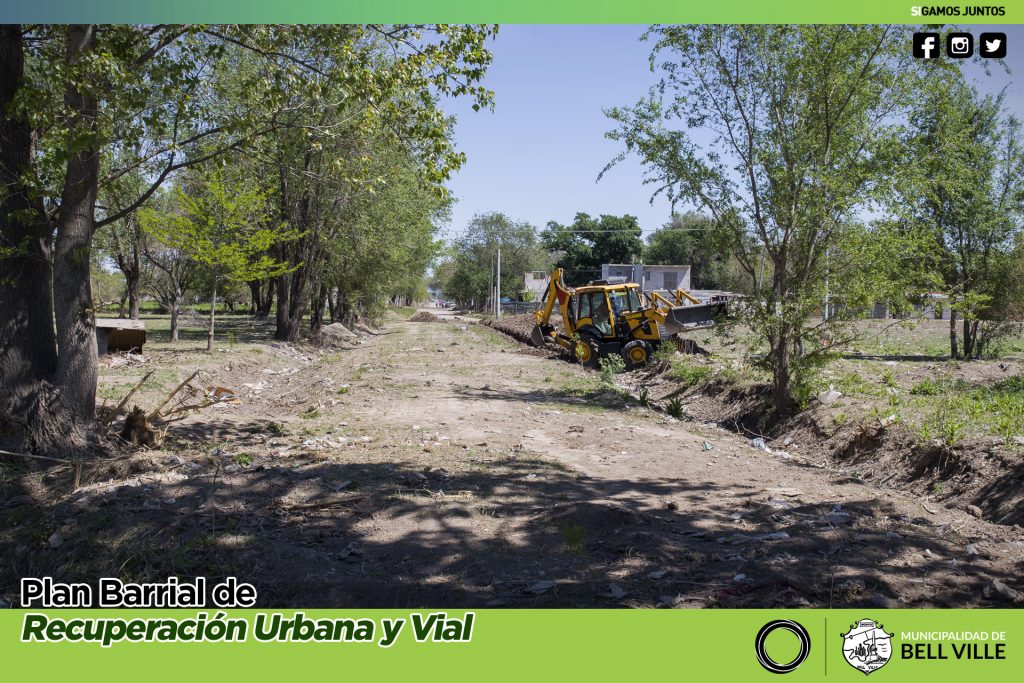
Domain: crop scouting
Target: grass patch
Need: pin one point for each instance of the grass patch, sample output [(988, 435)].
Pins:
[(963, 410), (689, 373)]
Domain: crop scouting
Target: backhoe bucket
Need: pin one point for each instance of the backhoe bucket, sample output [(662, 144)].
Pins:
[(537, 336), (680, 318)]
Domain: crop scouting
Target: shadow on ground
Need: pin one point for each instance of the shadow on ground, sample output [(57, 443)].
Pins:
[(507, 531)]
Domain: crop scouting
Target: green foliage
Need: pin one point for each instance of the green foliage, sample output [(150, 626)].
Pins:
[(690, 239), (611, 366), (960, 410), (310, 412), (804, 135), (674, 407), (474, 256), (221, 224), (966, 191), (581, 248), (688, 372), (926, 387), (573, 537)]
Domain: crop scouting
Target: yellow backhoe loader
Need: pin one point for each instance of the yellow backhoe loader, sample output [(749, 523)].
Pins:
[(607, 317)]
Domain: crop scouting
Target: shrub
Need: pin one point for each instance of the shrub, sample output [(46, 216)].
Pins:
[(611, 366), (925, 387), (674, 407)]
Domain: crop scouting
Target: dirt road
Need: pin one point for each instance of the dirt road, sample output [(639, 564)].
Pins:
[(442, 464)]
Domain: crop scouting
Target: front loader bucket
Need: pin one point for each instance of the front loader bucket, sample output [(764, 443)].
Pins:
[(537, 336), (680, 318)]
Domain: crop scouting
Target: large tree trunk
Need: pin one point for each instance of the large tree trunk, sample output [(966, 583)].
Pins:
[(317, 316), (268, 300), (970, 338), (123, 303), (293, 290), (133, 278), (782, 376), (256, 295), (331, 308), (29, 356), (75, 375)]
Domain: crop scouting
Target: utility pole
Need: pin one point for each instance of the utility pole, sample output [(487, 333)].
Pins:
[(498, 298), (491, 283)]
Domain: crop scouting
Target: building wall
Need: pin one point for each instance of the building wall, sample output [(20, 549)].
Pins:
[(536, 281), (654, 277)]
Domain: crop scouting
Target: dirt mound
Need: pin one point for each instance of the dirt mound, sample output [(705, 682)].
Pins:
[(424, 317), (519, 327), (336, 330)]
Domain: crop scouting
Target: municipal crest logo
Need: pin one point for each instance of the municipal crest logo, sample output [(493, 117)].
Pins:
[(867, 647)]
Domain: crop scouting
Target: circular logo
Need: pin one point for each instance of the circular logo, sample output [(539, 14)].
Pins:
[(793, 627)]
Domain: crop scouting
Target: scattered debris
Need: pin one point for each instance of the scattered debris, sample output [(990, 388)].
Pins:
[(830, 396), (837, 517), (737, 539), (55, 540)]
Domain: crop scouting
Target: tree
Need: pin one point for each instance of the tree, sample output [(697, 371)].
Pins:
[(588, 243), (476, 255), (123, 240), (218, 224), (385, 241), (175, 273), (690, 239), (788, 132), (151, 96), (968, 193)]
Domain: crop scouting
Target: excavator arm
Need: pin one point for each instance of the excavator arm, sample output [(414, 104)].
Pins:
[(557, 293)]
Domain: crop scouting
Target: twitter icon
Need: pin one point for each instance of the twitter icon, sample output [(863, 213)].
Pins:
[(993, 45)]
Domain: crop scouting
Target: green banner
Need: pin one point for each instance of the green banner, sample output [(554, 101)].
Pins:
[(519, 11), (534, 645)]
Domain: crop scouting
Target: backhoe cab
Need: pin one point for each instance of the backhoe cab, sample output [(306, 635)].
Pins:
[(607, 317)]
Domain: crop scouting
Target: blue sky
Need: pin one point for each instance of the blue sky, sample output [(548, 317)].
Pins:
[(536, 157)]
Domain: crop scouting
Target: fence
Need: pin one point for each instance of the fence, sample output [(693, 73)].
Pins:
[(519, 307)]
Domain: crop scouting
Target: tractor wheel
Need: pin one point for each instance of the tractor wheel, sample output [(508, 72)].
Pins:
[(636, 353), (588, 352)]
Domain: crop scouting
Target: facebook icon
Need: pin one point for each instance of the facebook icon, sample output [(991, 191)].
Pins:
[(926, 45)]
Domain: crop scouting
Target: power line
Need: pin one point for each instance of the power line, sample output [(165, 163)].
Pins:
[(604, 232)]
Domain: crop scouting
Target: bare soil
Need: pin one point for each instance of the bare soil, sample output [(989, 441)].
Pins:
[(437, 465)]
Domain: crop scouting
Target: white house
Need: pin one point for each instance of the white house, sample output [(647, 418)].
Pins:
[(649, 277)]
